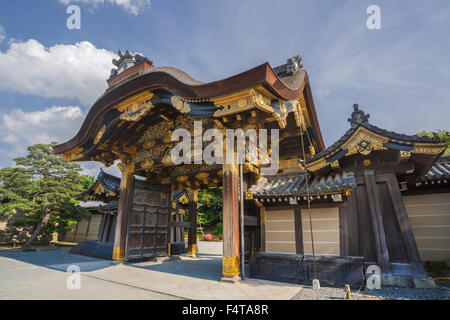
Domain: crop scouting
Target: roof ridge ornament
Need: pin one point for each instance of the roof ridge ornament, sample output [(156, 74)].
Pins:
[(358, 117), (291, 66), (127, 60)]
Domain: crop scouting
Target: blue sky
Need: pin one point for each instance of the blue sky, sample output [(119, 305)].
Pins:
[(50, 75)]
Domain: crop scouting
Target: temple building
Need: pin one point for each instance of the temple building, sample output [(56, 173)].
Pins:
[(336, 210)]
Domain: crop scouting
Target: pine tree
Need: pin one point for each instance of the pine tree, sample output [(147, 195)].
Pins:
[(45, 188)]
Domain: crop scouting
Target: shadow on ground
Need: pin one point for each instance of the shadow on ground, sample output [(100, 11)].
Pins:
[(205, 266), (58, 259)]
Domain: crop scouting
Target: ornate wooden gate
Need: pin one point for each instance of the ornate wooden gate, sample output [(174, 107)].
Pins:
[(148, 224)]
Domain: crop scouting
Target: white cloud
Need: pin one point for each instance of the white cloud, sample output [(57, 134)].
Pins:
[(63, 71), (131, 6), (57, 123), (19, 129), (2, 33)]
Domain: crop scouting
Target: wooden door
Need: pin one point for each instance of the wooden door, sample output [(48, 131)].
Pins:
[(148, 224)]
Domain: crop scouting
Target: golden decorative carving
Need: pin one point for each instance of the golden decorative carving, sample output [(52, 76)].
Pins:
[(317, 165), (165, 180), (202, 175), (147, 164), (312, 151), (167, 160), (230, 266), (180, 105), (367, 162), (182, 179), (98, 188), (135, 99), (261, 102), (290, 163), (364, 142), (135, 108), (299, 121), (405, 154), (127, 176), (99, 134), (429, 148), (244, 100), (335, 164), (233, 103), (248, 195), (73, 154), (149, 144), (137, 111), (121, 166)]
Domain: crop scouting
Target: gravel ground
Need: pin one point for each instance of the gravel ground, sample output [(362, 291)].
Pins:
[(325, 293)]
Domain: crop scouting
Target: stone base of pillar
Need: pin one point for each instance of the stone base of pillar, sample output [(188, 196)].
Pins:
[(234, 279)]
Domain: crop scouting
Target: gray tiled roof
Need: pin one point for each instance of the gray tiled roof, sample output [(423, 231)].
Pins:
[(440, 170), (294, 184), (109, 182)]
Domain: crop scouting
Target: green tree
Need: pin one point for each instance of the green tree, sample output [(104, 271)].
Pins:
[(210, 210), (45, 188), (443, 134)]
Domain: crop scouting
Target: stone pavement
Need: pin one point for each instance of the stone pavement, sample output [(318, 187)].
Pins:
[(41, 275)]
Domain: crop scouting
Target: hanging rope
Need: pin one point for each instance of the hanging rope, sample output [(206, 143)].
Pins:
[(307, 192)]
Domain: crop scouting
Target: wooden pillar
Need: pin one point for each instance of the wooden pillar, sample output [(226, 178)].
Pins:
[(102, 227), (192, 235), (231, 258), (377, 222), (172, 216), (262, 221), (125, 197)]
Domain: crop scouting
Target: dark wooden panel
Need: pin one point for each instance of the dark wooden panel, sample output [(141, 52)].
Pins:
[(394, 241), (103, 226), (148, 223), (298, 230), (343, 232), (365, 228), (351, 221), (405, 227), (250, 221), (373, 198)]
